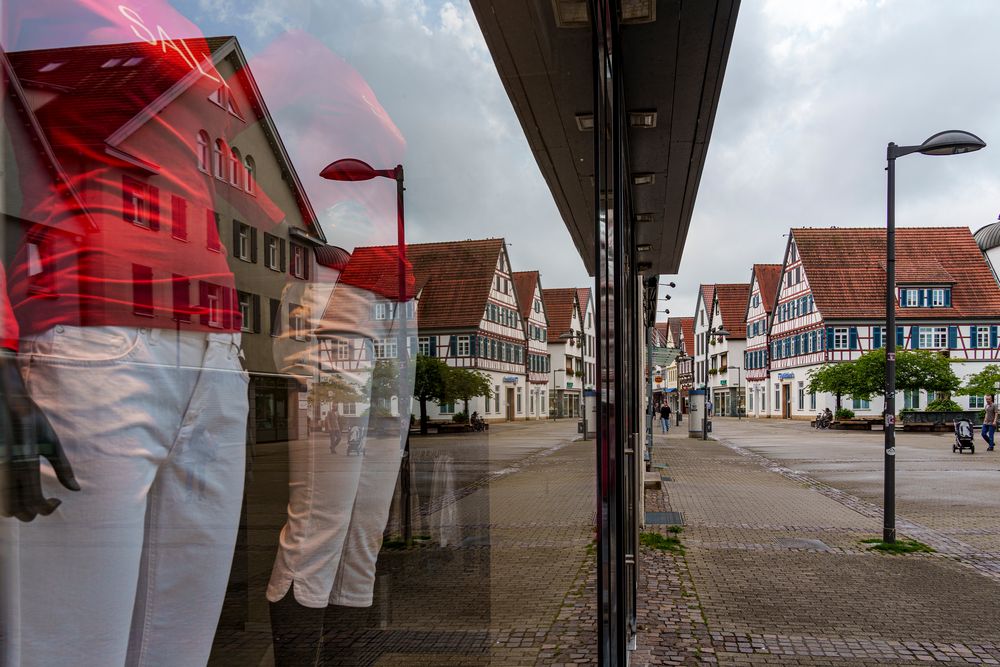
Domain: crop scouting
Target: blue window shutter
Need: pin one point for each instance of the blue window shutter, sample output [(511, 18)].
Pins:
[(853, 338), (877, 337), (453, 346), (902, 297), (434, 346), (474, 345), (947, 297), (952, 337), (829, 338), (900, 339), (973, 337), (993, 336), (914, 338)]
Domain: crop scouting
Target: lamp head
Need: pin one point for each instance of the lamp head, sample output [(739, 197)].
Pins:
[(951, 142), (348, 169)]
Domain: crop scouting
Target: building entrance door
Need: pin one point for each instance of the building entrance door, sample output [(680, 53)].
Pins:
[(786, 401), (510, 404)]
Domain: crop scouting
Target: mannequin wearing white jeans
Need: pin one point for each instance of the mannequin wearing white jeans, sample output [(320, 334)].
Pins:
[(132, 569)]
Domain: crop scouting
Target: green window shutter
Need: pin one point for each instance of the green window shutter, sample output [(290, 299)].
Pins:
[(914, 338)]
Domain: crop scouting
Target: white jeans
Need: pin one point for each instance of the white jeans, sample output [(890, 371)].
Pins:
[(338, 508), (132, 569)]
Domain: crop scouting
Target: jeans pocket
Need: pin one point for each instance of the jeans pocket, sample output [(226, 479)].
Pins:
[(84, 346)]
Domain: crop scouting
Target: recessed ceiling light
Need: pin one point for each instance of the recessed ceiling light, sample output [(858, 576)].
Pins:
[(644, 247), (643, 178), (571, 13), (642, 119), (638, 11), (585, 122)]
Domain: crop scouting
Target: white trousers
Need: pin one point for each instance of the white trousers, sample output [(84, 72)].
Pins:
[(132, 569), (338, 508)]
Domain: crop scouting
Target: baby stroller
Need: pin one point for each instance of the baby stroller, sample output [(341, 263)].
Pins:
[(964, 438), (356, 441)]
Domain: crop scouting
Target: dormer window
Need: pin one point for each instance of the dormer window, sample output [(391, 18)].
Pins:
[(925, 297)]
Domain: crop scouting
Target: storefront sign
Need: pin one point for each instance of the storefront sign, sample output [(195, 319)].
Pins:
[(510, 378), (786, 376)]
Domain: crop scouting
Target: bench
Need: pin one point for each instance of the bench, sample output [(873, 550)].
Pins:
[(853, 424)]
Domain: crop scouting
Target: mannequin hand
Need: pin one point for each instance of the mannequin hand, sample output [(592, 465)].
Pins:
[(26, 435)]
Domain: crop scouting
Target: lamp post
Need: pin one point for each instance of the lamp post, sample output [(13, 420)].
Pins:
[(950, 142), (351, 169), (739, 391), (712, 331)]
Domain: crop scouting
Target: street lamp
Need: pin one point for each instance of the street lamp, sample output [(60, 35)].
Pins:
[(950, 142), (351, 169), (712, 331)]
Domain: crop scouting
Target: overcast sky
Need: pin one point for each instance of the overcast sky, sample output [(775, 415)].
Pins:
[(813, 92)]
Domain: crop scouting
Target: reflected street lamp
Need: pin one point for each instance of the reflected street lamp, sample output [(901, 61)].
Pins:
[(950, 142), (351, 169)]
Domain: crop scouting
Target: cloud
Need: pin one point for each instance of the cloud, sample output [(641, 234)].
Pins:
[(469, 171), (813, 93)]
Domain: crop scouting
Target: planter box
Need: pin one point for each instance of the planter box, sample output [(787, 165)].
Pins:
[(947, 418)]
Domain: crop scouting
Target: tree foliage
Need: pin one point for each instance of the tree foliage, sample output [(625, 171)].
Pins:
[(429, 385), (982, 383), (463, 384), (333, 390), (865, 376)]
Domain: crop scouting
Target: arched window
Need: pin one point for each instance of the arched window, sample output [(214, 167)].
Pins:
[(203, 151), (249, 174), (218, 160), (235, 167)]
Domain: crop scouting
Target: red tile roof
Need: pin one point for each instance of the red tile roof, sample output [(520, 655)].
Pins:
[(662, 329), (708, 296), (674, 326), (768, 277), (454, 277), (525, 283), (559, 307), (687, 331), (846, 270), (733, 307), (376, 269), (583, 296)]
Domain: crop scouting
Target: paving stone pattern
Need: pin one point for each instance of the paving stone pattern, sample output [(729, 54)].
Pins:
[(774, 573)]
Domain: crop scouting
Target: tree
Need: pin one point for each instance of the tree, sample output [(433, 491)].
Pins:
[(837, 379), (915, 369), (429, 385), (384, 385), (982, 383), (333, 390), (463, 384)]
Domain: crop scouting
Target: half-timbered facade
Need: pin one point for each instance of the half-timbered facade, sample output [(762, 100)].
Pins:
[(469, 316), (726, 352), (763, 287), (703, 311), (528, 285), (589, 329), (831, 307), (568, 375)]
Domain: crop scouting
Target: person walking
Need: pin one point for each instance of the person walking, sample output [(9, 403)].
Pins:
[(989, 423), (664, 418), (333, 427)]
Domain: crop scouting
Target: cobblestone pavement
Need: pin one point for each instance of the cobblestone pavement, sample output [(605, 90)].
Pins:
[(773, 570)]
